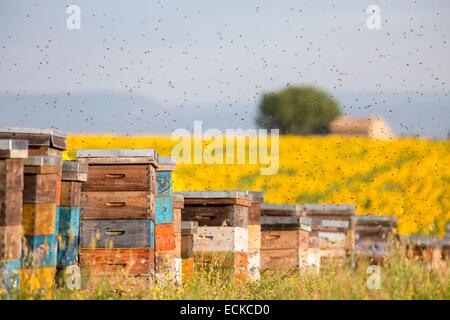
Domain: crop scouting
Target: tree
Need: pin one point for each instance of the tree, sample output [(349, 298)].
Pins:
[(298, 110)]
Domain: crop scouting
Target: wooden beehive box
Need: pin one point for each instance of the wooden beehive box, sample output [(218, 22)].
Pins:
[(41, 142), (332, 227), (254, 234), (167, 225), (222, 248), (218, 213), (178, 205), (284, 242), (12, 153), (188, 232), (118, 213), (217, 208), (446, 243), (374, 236), (425, 248), (39, 221), (68, 274), (121, 183)]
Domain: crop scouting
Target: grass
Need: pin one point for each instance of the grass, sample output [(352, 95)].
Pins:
[(400, 279)]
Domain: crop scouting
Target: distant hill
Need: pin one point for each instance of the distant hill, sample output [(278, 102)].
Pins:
[(93, 112)]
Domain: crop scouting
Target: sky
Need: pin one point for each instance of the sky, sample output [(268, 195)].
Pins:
[(154, 66)]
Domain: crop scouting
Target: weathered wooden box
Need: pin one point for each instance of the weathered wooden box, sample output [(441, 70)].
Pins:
[(121, 183), (39, 251), (68, 219), (333, 227), (254, 234), (374, 236), (117, 234), (12, 153), (188, 232), (165, 237), (73, 174), (49, 142), (42, 182), (67, 251), (285, 242), (116, 262), (10, 242), (425, 248), (74, 171), (178, 205), (39, 219), (217, 208), (221, 239), (13, 149)]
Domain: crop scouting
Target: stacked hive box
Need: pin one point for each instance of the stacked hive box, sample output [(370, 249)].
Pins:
[(12, 153), (332, 228), (222, 234), (446, 243), (41, 142), (254, 235), (188, 232), (178, 205), (167, 264), (117, 215), (427, 249), (42, 185), (285, 242), (374, 236), (40, 228), (68, 271)]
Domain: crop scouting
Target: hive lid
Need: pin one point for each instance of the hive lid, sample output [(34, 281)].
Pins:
[(74, 166), (225, 194), (10, 148), (118, 156), (42, 161), (37, 137), (167, 163), (287, 221), (421, 241), (375, 220), (324, 209), (269, 209)]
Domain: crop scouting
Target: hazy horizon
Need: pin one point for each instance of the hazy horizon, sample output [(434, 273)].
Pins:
[(152, 66)]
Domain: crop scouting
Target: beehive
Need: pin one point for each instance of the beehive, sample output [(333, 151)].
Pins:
[(12, 153), (167, 224), (285, 244), (254, 235), (425, 248), (374, 236), (446, 243), (222, 239), (41, 142), (39, 221), (118, 214), (332, 228), (188, 232), (73, 175)]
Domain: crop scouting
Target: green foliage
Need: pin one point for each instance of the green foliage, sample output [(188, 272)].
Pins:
[(298, 110), (400, 279)]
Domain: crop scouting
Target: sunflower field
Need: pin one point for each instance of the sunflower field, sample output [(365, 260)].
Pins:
[(407, 177)]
